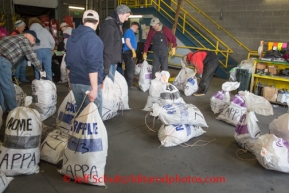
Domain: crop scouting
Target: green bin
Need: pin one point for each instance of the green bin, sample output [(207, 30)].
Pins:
[(244, 77)]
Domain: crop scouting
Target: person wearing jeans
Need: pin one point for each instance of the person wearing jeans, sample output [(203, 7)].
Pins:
[(43, 50), (84, 60), (161, 38), (20, 67), (45, 57), (129, 54), (111, 35), (13, 48)]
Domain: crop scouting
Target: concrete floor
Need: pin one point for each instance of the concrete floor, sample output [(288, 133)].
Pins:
[(133, 150)]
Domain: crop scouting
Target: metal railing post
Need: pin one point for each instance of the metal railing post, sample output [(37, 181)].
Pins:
[(184, 23)]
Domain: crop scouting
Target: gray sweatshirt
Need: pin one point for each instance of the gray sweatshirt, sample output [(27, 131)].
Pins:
[(45, 37)]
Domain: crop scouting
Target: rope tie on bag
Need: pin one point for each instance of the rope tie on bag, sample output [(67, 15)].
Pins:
[(243, 151), (147, 124), (186, 144)]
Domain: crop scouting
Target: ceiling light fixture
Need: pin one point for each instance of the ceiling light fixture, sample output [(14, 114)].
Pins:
[(73, 7), (135, 16)]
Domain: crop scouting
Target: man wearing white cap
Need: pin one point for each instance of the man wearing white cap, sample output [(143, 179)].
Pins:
[(66, 31), (20, 67), (84, 60), (161, 37)]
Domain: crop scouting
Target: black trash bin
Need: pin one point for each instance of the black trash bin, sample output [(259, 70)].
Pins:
[(244, 77)]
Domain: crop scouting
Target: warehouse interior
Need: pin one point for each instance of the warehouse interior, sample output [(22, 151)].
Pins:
[(136, 160)]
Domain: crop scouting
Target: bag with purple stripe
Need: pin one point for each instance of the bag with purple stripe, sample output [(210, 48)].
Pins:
[(232, 113), (145, 76), (247, 131), (66, 112), (221, 99), (272, 152), (86, 151)]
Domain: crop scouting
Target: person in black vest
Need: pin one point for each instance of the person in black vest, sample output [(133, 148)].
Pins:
[(161, 37)]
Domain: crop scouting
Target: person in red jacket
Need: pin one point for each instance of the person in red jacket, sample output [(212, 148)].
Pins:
[(206, 63), (161, 37)]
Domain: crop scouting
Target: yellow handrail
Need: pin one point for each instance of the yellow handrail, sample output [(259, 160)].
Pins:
[(184, 17)]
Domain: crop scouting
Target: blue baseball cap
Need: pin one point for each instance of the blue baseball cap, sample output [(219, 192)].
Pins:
[(32, 33)]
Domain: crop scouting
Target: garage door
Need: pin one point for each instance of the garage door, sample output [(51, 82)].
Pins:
[(38, 3)]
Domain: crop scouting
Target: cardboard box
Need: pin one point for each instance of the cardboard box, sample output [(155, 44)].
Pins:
[(270, 93), (273, 70), (261, 66)]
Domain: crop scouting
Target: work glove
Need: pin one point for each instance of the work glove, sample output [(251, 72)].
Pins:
[(133, 53), (42, 74), (172, 52), (144, 56)]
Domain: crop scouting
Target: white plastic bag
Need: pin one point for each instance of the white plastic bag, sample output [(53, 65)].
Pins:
[(181, 79), (137, 68), (191, 85), (280, 126), (110, 100), (258, 104), (86, 151), (234, 111), (272, 153), (4, 181), (179, 113), (122, 90), (170, 94), (221, 99), (20, 95), (155, 90), (20, 153), (66, 112), (63, 76), (172, 135), (52, 148), (145, 76), (44, 95), (247, 131)]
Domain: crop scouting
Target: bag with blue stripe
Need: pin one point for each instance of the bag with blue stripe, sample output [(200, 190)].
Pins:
[(85, 155), (66, 112), (20, 151)]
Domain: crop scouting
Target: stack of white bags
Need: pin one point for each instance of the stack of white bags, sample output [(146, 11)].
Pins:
[(181, 121)]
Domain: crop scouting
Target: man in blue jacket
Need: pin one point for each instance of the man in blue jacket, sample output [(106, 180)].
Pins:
[(129, 54), (84, 60)]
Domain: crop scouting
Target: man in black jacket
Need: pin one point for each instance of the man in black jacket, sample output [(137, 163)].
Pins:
[(112, 36)]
